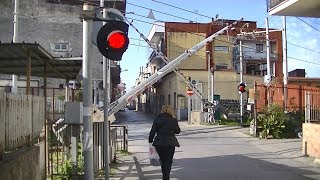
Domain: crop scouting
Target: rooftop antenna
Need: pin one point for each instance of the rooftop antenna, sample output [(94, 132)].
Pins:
[(196, 13), (150, 15)]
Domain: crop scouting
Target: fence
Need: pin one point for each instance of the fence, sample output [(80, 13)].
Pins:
[(312, 107), (21, 120), (61, 153), (118, 140), (295, 100)]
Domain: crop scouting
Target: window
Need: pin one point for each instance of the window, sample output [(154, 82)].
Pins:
[(61, 47), (221, 48), (259, 48), (221, 66)]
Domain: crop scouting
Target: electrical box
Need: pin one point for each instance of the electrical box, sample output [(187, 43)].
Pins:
[(73, 113)]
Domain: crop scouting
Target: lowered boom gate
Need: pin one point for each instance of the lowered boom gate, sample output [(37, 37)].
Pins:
[(170, 66)]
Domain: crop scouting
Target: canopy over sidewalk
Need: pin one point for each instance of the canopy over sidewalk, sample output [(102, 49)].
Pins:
[(25, 59)]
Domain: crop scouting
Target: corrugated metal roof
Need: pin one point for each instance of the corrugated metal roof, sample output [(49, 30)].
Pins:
[(14, 60)]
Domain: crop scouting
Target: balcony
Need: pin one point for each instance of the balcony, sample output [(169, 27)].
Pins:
[(302, 8), (253, 57), (156, 32)]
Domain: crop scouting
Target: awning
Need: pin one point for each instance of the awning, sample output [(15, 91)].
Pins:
[(14, 58)]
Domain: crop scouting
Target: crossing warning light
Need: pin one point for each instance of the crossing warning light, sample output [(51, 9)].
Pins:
[(112, 39), (242, 88)]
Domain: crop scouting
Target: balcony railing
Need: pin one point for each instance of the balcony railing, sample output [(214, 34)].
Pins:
[(253, 55), (273, 3)]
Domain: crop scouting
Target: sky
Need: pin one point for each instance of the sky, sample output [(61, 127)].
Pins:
[(302, 33)]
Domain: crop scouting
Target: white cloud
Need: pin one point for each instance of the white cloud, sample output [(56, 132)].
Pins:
[(301, 34)]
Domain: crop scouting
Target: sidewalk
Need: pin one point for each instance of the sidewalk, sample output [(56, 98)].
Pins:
[(128, 168)]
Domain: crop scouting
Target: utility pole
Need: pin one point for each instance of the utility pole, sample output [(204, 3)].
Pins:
[(285, 64), (209, 79), (189, 109), (87, 96), (14, 88), (268, 61), (15, 21), (241, 80), (106, 88)]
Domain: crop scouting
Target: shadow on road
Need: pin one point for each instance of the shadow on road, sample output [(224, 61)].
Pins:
[(230, 167)]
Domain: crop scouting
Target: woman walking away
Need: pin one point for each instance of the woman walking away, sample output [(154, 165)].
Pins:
[(165, 127)]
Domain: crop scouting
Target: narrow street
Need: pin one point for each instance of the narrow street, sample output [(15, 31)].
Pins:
[(215, 152)]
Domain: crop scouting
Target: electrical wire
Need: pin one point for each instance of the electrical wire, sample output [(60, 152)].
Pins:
[(308, 24), (139, 45), (158, 11), (297, 59), (310, 19), (304, 47), (182, 9)]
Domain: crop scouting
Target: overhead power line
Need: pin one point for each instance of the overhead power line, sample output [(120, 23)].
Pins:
[(158, 11), (303, 60), (303, 47), (308, 24), (182, 9), (314, 21)]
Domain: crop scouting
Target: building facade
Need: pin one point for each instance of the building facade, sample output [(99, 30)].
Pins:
[(56, 26), (219, 58)]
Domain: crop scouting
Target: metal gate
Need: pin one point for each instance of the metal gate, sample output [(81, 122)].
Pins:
[(312, 106), (65, 148)]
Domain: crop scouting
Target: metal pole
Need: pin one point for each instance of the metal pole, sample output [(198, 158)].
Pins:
[(255, 110), (14, 88), (105, 106), (268, 58), (15, 21), (87, 96), (189, 109), (241, 80), (95, 92), (28, 72), (285, 64), (212, 85), (209, 83)]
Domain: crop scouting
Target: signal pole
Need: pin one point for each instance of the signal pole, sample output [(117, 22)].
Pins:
[(285, 64), (105, 64), (268, 62), (241, 80), (14, 88), (87, 96)]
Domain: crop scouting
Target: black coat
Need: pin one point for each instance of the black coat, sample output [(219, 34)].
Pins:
[(165, 126)]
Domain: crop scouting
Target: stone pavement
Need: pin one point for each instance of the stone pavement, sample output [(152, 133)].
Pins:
[(287, 151)]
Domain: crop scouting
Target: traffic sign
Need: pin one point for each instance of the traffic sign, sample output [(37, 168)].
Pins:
[(190, 92)]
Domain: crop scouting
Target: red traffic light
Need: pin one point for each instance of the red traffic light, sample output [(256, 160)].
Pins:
[(112, 39), (242, 88), (117, 40)]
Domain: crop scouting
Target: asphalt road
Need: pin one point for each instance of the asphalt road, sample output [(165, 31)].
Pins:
[(216, 152)]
